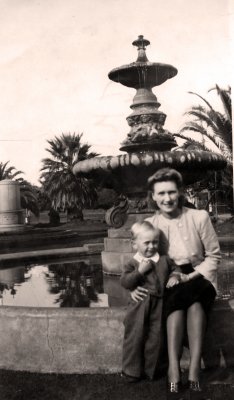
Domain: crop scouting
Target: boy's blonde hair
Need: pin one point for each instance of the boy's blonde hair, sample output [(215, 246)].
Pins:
[(139, 227)]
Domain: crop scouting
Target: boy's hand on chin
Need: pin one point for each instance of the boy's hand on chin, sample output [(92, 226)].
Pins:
[(145, 266)]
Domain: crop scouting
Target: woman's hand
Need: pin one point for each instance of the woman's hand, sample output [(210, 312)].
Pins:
[(173, 280), (139, 294), (177, 278), (184, 278)]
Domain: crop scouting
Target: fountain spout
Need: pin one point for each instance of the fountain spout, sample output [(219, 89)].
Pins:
[(141, 44)]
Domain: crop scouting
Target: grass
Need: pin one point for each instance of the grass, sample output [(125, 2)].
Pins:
[(34, 386), (29, 386)]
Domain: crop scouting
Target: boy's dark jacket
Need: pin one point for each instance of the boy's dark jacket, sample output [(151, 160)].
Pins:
[(154, 280)]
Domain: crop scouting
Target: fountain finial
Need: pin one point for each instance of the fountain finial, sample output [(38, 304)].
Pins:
[(141, 44)]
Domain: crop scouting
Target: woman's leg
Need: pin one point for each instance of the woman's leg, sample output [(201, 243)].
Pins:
[(196, 325), (175, 332)]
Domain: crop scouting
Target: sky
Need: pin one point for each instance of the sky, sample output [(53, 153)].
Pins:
[(55, 56)]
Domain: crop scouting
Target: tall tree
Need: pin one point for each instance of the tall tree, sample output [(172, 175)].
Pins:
[(66, 190)]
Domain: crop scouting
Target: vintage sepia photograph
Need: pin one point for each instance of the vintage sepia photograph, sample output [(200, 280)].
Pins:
[(116, 200)]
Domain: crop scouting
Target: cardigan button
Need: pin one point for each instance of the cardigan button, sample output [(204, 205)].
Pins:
[(185, 238)]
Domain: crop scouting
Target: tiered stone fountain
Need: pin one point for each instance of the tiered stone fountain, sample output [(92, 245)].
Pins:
[(148, 147)]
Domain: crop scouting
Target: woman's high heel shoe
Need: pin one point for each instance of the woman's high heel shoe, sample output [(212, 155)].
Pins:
[(194, 386), (174, 387)]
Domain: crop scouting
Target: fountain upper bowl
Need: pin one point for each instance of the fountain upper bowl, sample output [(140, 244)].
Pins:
[(142, 74)]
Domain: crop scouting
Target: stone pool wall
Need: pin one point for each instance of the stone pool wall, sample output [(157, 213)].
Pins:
[(61, 340), (85, 340)]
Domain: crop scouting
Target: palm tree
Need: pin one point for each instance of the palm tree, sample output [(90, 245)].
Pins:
[(28, 196), (66, 190), (8, 172), (216, 127), (211, 124)]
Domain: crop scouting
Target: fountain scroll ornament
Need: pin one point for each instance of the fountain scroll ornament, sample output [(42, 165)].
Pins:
[(116, 216)]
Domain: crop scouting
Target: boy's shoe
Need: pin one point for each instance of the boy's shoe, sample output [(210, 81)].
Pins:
[(129, 378), (147, 377)]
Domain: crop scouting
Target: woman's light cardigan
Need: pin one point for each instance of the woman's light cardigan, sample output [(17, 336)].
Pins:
[(199, 238)]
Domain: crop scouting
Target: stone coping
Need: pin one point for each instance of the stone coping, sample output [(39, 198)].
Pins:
[(62, 252), (67, 312)]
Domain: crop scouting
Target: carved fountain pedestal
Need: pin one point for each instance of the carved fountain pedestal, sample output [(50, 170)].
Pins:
[(148, 147)]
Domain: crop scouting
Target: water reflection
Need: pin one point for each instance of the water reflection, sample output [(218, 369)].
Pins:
[(68, 284), (80, 283), (9, 277), (77, 283)]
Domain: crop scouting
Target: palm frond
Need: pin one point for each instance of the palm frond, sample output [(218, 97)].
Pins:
[(212, 124), (205, 101), (225, 96)]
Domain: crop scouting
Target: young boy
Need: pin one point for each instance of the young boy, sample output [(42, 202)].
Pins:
[(143, 337)]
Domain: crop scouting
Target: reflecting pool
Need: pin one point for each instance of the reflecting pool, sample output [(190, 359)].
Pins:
[(79, 283)]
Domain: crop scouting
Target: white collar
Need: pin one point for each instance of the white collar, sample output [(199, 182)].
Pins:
[(138, 257)]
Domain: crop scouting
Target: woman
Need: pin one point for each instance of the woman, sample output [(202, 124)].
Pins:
[(190, 241)]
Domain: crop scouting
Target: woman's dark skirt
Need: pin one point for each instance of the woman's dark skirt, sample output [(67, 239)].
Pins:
[(183, 295)]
